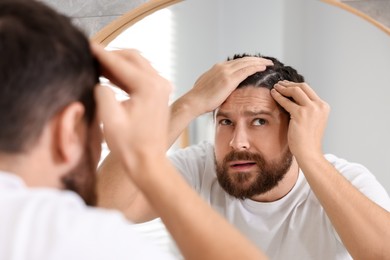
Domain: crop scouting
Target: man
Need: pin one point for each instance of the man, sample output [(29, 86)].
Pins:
[(266, 172), (50, 145)]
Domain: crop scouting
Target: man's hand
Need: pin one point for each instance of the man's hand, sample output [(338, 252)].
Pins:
[(308, 116), (215, 85), (137, 126)]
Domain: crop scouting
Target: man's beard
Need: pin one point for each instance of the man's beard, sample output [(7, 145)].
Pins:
[(244, 185), (82, 179)]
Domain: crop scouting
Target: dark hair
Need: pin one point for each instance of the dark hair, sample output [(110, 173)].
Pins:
[(46, 64), (271, 75)]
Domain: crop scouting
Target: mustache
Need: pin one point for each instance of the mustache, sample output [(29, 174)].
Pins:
[(245, 156)]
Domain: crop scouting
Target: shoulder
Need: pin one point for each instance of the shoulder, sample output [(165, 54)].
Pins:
[(68, 226), (60, 205), (347, 168), (203, 150), (354, 172), (194, 162), (362, 178)]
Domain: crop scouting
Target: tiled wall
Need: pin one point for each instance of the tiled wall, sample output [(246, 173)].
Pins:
[(93, 15), (377, 9)]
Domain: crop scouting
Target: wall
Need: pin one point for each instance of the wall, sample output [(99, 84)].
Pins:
[(93, 15), (354, 58)]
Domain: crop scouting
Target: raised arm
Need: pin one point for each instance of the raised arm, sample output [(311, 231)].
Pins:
[(136, 132), (210, 90), (363, 226)]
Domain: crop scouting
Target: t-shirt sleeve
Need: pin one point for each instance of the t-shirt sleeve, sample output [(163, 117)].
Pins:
[(363, 180), (360, 177), (190, 162)]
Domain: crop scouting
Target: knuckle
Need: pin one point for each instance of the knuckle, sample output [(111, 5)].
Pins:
[(218, 66), (324, 106), (224, 77), (295, 89)]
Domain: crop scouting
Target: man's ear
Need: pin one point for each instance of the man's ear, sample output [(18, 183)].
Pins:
[(70, 134)]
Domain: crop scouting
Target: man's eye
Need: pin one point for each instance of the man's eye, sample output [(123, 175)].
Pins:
[(225, 122), (259, 121)]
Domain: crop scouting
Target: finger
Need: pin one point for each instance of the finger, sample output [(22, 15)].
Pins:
[(247, 71), (121, 71), (247, 62), (128, 54), (305, 87), (287, 104), (244, 60), (294, 92), (107, 61), (107, 105), (246, 66)]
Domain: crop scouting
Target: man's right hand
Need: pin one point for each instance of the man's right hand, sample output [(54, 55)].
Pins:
[(214, 86), (138, 126), (210, 90)]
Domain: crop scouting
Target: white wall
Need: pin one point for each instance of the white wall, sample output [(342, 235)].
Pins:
[(344, 58), (347, 61)]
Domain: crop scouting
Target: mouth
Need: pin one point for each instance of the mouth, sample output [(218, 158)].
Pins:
[(242, 165)]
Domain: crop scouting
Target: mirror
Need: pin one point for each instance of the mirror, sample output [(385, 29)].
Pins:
[(344, 58)]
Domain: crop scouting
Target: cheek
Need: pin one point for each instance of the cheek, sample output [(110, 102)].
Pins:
[(218, 153), (221, 145), (273, 144), (281, 136)]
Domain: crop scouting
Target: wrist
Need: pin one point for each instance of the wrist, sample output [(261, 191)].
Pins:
[(187, 105), (309, 159), (138, 162), (151, 173)]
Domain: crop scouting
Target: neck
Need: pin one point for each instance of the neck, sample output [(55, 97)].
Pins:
[(283, 187), (33, 168), (12, 163)]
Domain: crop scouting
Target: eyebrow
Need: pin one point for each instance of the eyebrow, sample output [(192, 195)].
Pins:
[(246, 113)]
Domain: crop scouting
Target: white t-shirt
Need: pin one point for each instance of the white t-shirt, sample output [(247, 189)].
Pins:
[(52, 224), (294, 227)]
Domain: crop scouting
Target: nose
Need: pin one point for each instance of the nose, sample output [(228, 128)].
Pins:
[(240, 139)]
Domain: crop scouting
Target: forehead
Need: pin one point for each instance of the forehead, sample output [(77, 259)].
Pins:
[(249, 99)]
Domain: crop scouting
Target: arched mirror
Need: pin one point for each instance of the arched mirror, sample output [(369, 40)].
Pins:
[(344, 58)]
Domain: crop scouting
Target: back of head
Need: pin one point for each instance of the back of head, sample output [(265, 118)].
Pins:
[(271, 75), (46, 64)]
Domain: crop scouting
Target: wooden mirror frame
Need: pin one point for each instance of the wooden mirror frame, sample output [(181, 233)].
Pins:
[(112, 30)]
